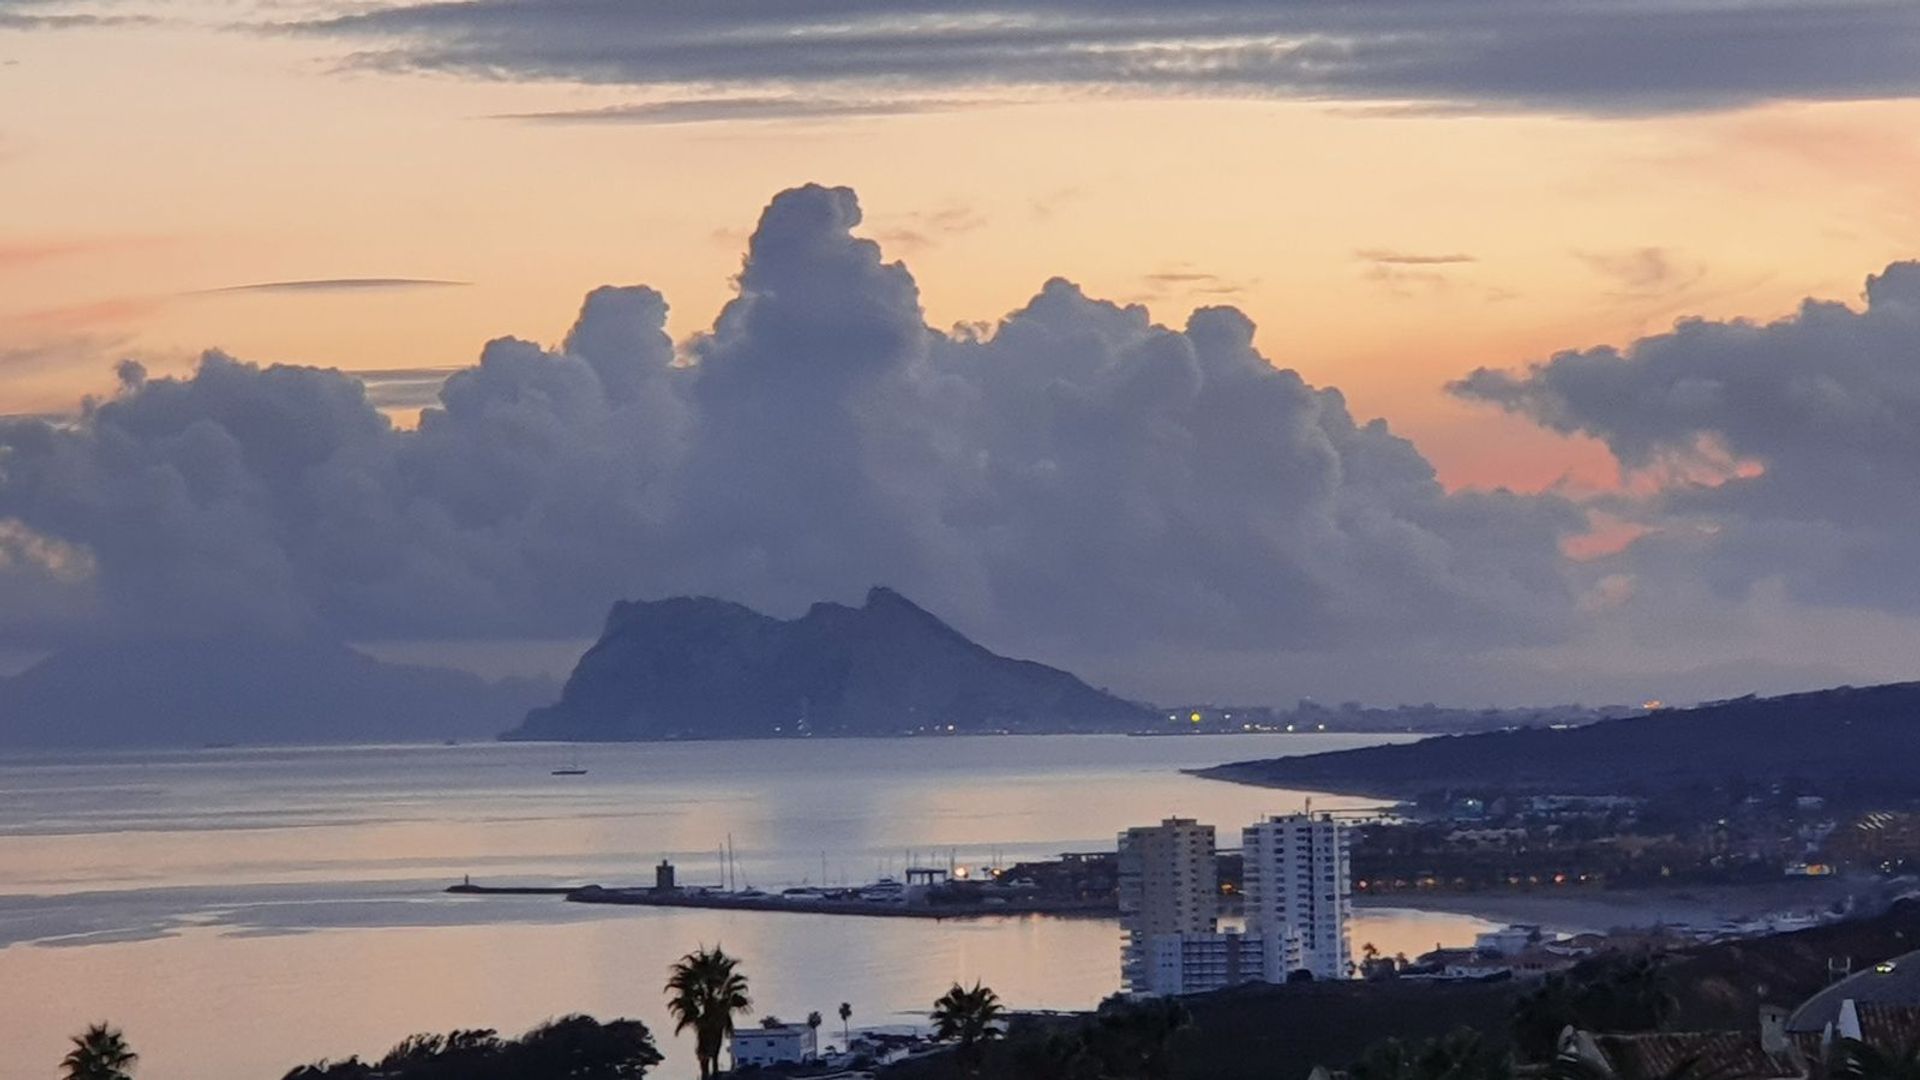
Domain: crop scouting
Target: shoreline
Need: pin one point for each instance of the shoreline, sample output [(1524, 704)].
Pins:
[(1602, 910), (1230, 774)]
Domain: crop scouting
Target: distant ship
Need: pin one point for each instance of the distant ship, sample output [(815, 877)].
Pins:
[(570, 770)]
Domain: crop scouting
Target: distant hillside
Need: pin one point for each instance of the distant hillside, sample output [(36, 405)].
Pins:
[(1866, 739), (703, 668), (248, 690)]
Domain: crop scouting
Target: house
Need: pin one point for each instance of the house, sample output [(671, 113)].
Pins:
[(1724, 1055), (1769, 1054), (1531, 962), (1888, 985), (772, 1044), (1878, 1024), (1585, 944), (1508, 940)]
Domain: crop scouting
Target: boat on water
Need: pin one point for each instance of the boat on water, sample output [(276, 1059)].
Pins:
[(884, 891), (570, 770)]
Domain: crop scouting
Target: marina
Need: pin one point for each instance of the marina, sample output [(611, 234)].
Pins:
[(928, 893)]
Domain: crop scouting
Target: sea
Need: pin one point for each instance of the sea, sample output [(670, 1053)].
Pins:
[(241, 911)]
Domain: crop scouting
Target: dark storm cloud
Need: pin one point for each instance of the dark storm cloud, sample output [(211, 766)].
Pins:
[(1597, 56), (1790, 448), (1075, 480)]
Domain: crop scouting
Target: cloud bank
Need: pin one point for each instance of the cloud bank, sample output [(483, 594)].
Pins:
[(1786, 453), (1075, 481), (1586, 56)]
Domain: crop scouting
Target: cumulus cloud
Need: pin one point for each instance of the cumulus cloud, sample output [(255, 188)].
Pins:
[(1073, 481), (1455, 54), (1783, 452)]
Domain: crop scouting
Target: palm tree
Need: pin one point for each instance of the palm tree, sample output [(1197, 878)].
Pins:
[(968, 1016), (846, 1019), (704, 991), (99, 1053), (813, 1031)]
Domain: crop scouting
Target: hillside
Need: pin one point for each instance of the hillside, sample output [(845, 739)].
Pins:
[(248, 690), (1263, 1032), (1864, 738), (701, 668)]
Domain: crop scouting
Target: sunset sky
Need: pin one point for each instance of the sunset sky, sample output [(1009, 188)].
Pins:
[(1396, 194)]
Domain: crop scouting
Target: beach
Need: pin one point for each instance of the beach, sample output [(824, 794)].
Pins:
[(1573, 910)]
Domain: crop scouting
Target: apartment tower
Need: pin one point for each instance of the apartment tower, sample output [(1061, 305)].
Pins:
[(1297, 878), (1169, 889)]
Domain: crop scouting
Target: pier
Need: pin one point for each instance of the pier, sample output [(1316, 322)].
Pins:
[(808, 903)]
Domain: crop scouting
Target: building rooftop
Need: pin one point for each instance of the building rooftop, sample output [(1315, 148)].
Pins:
[(1731, 1055), (1891, 982), (1889, 1026)]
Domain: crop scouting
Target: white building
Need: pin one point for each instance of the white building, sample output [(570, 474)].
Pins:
[(1508, 940), (1199, 963), (1169, 909), (1169, 887), (781, 1044), (1298, 875)]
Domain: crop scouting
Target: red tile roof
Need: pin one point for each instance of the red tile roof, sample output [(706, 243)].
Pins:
[(1888, 1027), (1716, 1055)]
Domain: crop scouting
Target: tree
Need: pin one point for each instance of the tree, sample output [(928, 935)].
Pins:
[(1571, 1066), (575, 1047), (1133, 1040), (99, 1053), (1540, 1017), (350, 1069), (1633, 996), (581, 1048), (1388, 1059), (1461, 1054), (1614, 995), (969, 1018), (813, 1030), (846, 1020), (704, 992), (1859, 1061)]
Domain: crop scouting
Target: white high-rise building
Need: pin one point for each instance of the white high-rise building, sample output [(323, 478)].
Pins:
[(1169, 909), (1297, 878)]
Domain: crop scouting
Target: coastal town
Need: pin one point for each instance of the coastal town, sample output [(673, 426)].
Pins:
[(1220, 931)]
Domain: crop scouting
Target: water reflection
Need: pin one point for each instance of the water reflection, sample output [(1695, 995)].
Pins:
[(242, 911)]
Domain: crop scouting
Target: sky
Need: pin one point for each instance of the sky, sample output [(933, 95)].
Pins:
[(1471, 351)]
